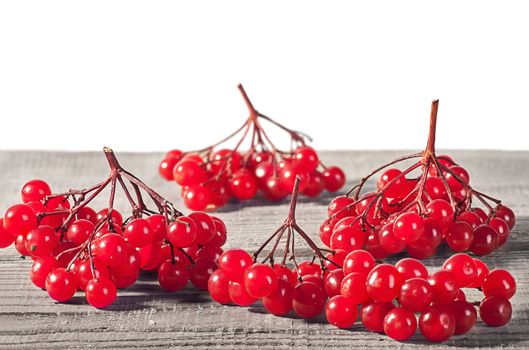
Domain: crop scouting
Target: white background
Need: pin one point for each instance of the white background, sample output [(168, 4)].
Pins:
[(156, 75)]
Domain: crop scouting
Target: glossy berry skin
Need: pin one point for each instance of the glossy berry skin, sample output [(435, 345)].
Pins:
[(200, 273), (383, 283), (334, 178), (40, 270), (459, 236), (358, 261), (101, 292), (182, 232), (172, 276), (280, 301), (83, 272), (166, 168), (306, 159), (260, 280), (243, 185), (495, 311), (481, 272), (353, 287), (444, 287), (408, 227), (19, 219), (307, 267), (506, 214), (111, 249), (437, 324), (400, 324), (234, 262), (372, 315), (398, 186), (463, 268), (470, 218), (116, 216), (35, 190), (197, 197), (502, 228), (41, 241), (87, 213), (61, 285), (411, 268), (441, 211), (315, 185), (499, 282), (6, 239), (273, 190), (333, 282), (158, 225), (218, 285), (285, 273), (205, 226), (486, 239), (341, 311), (188, 173), (138, 233), (465, 315), (239, 295), (308, 300), (416, 294), (79, 231), (389, 241)]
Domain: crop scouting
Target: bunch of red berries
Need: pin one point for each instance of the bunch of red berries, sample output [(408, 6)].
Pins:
[(211, 176), (390, 296), (242, 280), (416, 209), (75, 248)]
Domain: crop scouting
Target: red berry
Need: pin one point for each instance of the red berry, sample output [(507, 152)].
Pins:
[(138, 233), (260, 280), (398, 186), (308, 300), (6, 238), (502, 228), (437, 324), (166, 168), (234, 262), (463, 268), (481, 272), (373, 314), (172, 276), (280, 301), (459, 236), (495, 311), (35, 190), (485, 240), (206, 229), (218, 285), (40, 270), (200, 272), (499, 282), (506, 214), (111, 249), (416, 294), (306, 159), (353, 286), (316, 184), (101, 292), (197, 197), (61, 284), (411, 268), (41, 241), (158, 225), (341, 311), (383, 283), (239, 295), (408, 227), (333, 282), (465, 315), (400, 324), (444, 287), (389, 241), (441, 211), (243, 185), (19, 219), (334, 178), (83, 272), (182, 232), (79, 231), (115, 215), (358, 261), (188, 173)]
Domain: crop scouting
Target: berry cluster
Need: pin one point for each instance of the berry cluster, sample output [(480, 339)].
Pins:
[(344, 284), (417, 212), (242, 280), (390, 296), (76, 248), (211, 176)]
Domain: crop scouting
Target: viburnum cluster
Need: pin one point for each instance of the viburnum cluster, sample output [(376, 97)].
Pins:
[(76, 248), (211, 176), (398, 299), (416, 209), (342, 283)]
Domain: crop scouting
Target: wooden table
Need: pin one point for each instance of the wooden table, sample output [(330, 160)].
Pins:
[(144, 316)]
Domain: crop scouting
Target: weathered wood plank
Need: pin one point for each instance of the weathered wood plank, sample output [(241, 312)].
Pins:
[(145, 317)]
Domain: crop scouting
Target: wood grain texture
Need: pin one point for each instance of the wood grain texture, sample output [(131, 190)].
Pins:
[(145, 317)]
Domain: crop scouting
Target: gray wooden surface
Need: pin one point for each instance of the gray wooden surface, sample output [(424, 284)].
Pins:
[(145, 317)]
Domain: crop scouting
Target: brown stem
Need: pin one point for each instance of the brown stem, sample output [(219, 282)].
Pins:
[(430, 145), (251, 108)]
